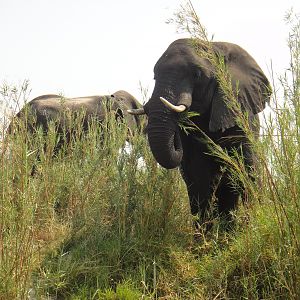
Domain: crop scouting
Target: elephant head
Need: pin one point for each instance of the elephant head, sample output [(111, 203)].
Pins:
[(124, 102), (186, 80)]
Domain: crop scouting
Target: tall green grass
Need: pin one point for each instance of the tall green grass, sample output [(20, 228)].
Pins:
[(98, 222), (95, 219)]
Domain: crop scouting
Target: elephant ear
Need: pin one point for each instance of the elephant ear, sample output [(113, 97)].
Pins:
[(127, 101), (249, 85)]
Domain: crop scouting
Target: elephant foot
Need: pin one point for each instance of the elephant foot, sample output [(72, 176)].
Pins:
[(202, 229), (213, 228), (227, 222)]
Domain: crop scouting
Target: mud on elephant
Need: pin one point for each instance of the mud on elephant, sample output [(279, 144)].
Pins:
[(186, 80)]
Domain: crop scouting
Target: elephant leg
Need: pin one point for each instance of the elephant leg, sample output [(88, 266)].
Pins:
[(246, 152), (198, 202), (227, 197), (33, 171), (204, 211), (199, 172)]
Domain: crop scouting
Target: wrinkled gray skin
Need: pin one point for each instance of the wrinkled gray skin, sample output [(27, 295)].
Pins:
[(54, 108), (183, 77)]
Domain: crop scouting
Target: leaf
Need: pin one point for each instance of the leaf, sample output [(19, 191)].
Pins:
[(186, 124)]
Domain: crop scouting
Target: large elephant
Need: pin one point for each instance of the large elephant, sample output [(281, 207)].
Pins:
[(44, 109), (185, 79)]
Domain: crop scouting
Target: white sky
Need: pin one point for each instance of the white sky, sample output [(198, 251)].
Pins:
[(90, 47)]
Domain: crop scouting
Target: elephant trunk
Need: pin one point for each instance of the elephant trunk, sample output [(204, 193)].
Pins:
[(168, 99), (165, 144)]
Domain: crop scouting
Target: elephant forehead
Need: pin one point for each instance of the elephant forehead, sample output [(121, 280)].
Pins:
[(181, 48), (173, 62), (183, 63)]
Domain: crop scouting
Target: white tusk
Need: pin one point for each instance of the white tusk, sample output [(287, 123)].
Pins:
[(138, 111), (177, 108)]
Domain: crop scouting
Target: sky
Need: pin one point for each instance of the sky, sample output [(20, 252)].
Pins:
[(96, 47)]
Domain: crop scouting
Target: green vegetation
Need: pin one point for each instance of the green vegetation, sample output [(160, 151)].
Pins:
[(96, 222)]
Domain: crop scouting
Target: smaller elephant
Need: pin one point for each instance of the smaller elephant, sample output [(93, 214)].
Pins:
[(44, 109), (53, 107)]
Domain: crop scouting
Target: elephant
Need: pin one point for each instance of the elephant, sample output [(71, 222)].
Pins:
[(40, 111), (186, 80), (54, 107)]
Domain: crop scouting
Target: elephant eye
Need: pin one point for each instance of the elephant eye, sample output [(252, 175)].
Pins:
[(119, 115), (197, 74)]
